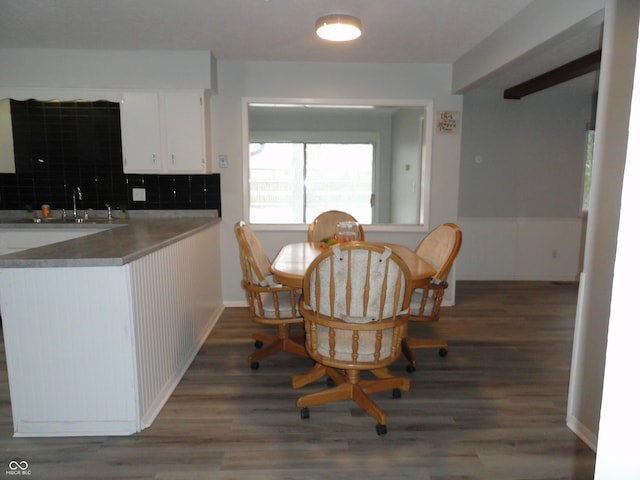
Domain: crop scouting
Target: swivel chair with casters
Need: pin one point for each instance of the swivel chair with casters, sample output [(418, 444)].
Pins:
[(355, 309), (269, 303), (439, 248)]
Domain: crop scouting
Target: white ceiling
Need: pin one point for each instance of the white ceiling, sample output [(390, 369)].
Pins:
[(394, 31)]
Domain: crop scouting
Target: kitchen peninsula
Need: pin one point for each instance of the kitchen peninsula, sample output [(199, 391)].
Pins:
[(99, 329)]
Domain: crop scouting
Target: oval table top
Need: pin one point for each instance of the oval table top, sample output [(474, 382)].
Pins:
[(292, 261)]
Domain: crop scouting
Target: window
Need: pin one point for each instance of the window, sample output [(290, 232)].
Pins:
[(293, 182)]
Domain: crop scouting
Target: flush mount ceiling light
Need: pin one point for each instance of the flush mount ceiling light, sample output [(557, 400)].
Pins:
[(338, 28)]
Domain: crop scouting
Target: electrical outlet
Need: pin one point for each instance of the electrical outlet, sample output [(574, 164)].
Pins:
[(139, 194), (223, 160)]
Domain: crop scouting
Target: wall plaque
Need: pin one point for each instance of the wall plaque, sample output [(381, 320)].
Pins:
[(447, 121)]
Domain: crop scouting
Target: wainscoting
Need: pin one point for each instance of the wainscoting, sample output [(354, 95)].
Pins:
[(520, 249)]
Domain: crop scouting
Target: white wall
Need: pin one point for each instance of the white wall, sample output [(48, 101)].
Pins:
[(619, 420), (612, 123), (238, 79)]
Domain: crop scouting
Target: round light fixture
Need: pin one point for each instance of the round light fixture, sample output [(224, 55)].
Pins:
[(338, 28)]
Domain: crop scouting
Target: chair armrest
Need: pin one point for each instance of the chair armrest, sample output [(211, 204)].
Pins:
[(437, 286)]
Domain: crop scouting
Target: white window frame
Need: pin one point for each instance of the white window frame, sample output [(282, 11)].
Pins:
[(427, 147)]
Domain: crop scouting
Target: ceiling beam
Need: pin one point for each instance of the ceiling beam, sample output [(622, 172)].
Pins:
[(568, 71)]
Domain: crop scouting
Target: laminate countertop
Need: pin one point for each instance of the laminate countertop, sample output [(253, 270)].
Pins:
[(117, 242)]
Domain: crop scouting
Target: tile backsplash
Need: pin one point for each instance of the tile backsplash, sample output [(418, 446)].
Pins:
[(62, 145)]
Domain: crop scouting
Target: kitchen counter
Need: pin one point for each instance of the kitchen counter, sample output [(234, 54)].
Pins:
[(119, 242), (99, 329)]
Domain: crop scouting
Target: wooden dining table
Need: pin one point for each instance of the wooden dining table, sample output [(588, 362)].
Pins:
[(291, 263)]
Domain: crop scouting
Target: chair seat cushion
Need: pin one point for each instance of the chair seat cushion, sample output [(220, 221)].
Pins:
[(284, 305), (269, 281)]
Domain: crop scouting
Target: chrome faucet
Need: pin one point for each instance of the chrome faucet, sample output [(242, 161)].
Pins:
[(75, 209)]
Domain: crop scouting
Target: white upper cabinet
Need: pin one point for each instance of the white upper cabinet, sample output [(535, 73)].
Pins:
[(185, 134), (7, 157), (141, 132), (165, 132)]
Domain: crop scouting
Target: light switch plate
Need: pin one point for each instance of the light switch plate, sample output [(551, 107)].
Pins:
[(223, 160), (139, 194)]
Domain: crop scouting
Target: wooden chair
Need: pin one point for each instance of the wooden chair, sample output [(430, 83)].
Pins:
[(439, 248), (355, 313), (269, 303), (324, 225)]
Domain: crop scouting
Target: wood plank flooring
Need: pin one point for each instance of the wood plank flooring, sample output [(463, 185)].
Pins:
[(493, 409)]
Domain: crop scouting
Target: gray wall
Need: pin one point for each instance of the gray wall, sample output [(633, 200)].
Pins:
[(407, 166), (523, 158), (521, 181)]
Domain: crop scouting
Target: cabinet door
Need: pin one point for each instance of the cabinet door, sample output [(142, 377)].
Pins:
[(184, 132), (7, 155), (141, 138)]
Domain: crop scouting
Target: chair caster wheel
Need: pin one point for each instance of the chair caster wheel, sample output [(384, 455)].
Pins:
[(443, 352), (396, 393), (381, 429), (410, 368), (304, 413), (258, 344), (255, 365)]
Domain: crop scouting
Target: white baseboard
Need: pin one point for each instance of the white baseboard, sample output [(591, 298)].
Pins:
[(517, 278), (586, 435), (235, 303)]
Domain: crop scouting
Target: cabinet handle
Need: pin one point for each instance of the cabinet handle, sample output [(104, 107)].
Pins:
[(154, 158)]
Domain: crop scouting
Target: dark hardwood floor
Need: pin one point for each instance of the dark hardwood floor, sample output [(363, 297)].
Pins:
[(493, 409)]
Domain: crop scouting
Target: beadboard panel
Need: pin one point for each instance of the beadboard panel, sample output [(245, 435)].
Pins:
[(175, 307), (547, 249), (69, 351)]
